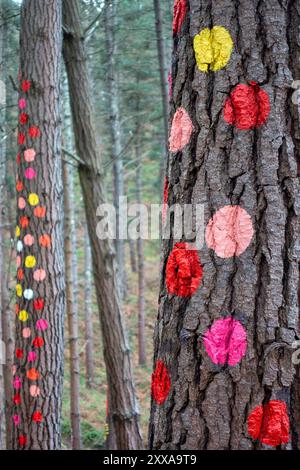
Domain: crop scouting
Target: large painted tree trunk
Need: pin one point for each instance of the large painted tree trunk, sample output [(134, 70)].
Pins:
[(226, 378), (40, 276), (123, 412)]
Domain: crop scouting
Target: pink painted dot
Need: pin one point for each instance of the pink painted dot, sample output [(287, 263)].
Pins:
[(30, 173), (18, 261), (17, 383), (31, 356), (16, 420), (22, 103), (21, 203), (34, 391), (14, 370), (226, 341), (28, 240), (229, 232), (181, 130), (26, 333), (29, 155), (39, 275), (42, 324)]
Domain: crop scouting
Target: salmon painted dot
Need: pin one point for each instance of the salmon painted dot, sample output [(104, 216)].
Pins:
[(247, 107), (183, 271), (229, 232), (161, 383), (213, 48), (181, 130), (226, 341), (270, 424)]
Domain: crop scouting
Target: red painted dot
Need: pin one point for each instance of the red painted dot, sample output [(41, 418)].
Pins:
[(22, 440), (247, 107), (270, 423), (161, 383), (17, 399), (183, 271), (34, 132), (38, 342), (26, 85), (23, 119), (19, 186), (24, 222), (180, 9), (18, 159), (19, 353), (21, 138), (37, 417), (38, 304)]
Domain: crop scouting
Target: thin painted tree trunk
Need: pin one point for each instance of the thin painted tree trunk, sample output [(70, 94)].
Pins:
[(40, 289), (140, 257), (72, 310), (88, 311), (225, 372), (111, 9), (123, 410)]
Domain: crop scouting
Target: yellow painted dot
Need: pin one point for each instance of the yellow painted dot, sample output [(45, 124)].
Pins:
[(18, 231), (213, 48), (30, 261), (33, 199), (19, 290), (23, 315)]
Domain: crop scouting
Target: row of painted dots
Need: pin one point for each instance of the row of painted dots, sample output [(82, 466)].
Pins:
[(30, 262), (229, 232)]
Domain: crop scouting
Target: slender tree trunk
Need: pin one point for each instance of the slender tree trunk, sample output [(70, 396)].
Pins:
[(111, 8), (88, 311), (40, 286), (72, 310), (163, 70), (209, 403), (132, 256), (140, 258), (123, 411)]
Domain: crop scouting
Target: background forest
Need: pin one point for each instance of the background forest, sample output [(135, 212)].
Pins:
[(136, 159)]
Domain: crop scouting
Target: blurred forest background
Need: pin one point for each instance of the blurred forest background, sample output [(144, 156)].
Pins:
[(133, 58)]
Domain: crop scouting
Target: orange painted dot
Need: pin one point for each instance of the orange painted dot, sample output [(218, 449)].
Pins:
[(33, 374), (24, 222), (19, 186), (40, 212), (20, 274), (45, 241)]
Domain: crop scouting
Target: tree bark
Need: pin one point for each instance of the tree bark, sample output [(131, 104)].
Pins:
[(38, 380), (208, 405), (88, 311), (123, 411), (110, 9)]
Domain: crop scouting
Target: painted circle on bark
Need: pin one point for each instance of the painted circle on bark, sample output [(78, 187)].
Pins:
[(183, 271), (213, 48), (229, 232), (226, 341), (161, 383), (270, 423), (181, 130), (247, 107)]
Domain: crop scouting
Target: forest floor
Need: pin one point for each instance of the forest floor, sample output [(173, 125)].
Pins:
[(93, 400)]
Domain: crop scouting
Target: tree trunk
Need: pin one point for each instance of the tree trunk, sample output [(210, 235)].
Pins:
[(211, 398), (111, 8), (123, 412), (161, 50), (40, 285), (140, 257), (88, 311), (72, 310), (132, 255)]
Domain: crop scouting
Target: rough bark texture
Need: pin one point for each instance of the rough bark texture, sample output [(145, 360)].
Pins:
[(40, 49), (123, 412), (88, 311), (208, 405), (72, 310), (111, 8)]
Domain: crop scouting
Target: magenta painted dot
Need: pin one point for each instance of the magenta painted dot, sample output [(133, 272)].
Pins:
[(226, 341), (42, 324), (17, 383), (22, 103), (30, 173), (17, 420), (31, 356)]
